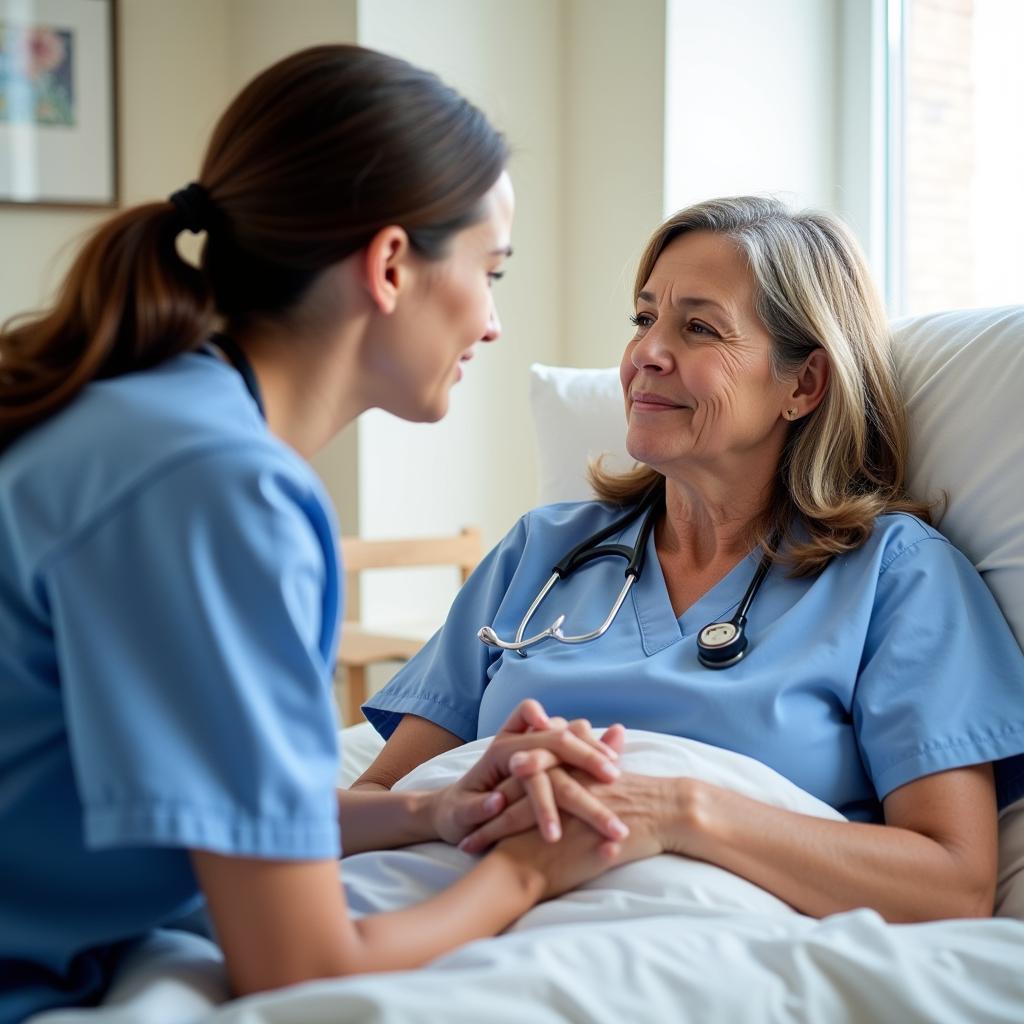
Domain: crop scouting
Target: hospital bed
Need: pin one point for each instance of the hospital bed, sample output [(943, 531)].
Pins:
[(670, 939)]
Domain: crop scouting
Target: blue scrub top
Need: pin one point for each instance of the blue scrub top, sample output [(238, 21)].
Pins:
[(169, 601), (892, 664)]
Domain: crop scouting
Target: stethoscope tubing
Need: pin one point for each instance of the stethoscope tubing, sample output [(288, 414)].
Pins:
[(719, 644)]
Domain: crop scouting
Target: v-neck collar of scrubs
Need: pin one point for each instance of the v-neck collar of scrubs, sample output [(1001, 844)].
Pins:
[(656, 619)]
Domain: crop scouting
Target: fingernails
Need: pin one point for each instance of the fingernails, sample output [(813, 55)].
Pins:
[(467, 846), (493, 803), (552, 833), (610, 771), (618, 829), (610, 752)]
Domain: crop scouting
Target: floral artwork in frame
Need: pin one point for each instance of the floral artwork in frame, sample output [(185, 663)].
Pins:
[(58, 124)]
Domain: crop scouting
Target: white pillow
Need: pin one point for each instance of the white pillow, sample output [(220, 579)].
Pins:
[(577, 416), (962, 375)]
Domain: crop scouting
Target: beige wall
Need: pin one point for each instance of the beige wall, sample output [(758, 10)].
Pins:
[(179, 44), (263, 31), (613, 103)]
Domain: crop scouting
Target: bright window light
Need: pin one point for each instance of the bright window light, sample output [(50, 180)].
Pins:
[(956, 154)]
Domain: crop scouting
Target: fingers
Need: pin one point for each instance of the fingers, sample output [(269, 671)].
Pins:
[(513, 820), (615, 737), (578, 801), (534, 769), (529, 714), (540, 791), (524, 763), (537, 752), (481, 808), (582, 728), (511, 789), (548, 796)]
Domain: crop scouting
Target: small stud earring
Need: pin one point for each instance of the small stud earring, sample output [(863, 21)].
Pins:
[(790, 413)]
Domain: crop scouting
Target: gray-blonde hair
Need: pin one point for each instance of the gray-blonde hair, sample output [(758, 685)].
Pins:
[(845, 463)]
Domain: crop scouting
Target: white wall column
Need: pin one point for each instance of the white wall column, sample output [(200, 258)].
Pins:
[(751, 101), (613, 100)]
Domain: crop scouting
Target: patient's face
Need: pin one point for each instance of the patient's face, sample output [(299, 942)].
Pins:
[(696, 376)]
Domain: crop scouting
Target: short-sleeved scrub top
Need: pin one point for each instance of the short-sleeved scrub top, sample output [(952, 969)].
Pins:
[(892, 664), (169, 602)]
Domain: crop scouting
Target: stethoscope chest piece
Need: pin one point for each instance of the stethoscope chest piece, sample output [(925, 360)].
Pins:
[(721, 644)]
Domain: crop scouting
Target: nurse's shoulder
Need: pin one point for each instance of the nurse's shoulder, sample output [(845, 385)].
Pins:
[(190, 420)]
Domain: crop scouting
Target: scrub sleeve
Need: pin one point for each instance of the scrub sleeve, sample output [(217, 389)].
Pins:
[(941, 683), (197, 626)]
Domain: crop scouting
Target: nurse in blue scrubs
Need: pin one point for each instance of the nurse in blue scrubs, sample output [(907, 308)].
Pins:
[(880, 675), (169, 580)]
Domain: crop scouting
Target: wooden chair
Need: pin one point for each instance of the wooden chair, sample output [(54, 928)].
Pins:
[(361, 645)]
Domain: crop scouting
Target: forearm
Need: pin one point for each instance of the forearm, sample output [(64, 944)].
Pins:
[(822, 867), (283, 922), (494, 894), (373, 818)]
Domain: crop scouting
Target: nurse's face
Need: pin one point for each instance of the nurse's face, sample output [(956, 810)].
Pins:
[(451, 308), (696, 376)]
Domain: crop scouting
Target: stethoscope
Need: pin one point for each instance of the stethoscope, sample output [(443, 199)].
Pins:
[(719, 644)]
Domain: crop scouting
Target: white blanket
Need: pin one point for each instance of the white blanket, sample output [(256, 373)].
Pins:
[(666, 939)]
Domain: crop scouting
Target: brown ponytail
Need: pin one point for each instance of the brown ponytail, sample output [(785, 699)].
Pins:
[(308, 163), (128, 302)]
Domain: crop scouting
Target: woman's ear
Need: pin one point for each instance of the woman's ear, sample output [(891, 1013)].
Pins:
[(384, 267), (811, 385)]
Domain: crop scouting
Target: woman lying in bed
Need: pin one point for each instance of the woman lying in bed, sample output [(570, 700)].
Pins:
[(880, 676)]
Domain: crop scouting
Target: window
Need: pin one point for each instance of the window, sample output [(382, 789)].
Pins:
[(956, 154)]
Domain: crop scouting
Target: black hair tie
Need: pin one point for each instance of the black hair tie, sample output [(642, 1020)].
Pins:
[(194, 207)]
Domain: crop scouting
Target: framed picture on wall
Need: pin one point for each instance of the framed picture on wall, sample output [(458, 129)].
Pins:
[(58, 103)]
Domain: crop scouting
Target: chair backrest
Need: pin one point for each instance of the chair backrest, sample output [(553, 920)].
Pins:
[(462, 550)]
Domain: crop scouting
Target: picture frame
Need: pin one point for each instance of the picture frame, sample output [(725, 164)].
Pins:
[(58, 104)]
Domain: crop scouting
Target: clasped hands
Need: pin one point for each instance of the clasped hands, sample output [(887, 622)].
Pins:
[(539, 768)]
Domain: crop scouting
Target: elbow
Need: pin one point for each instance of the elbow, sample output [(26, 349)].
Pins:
[(970, 898), (980, 899), (377, 776), (975, 895), (247, 978), (369, 781)]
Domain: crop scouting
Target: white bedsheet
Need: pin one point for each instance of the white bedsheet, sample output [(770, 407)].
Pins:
[(666, 939)]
